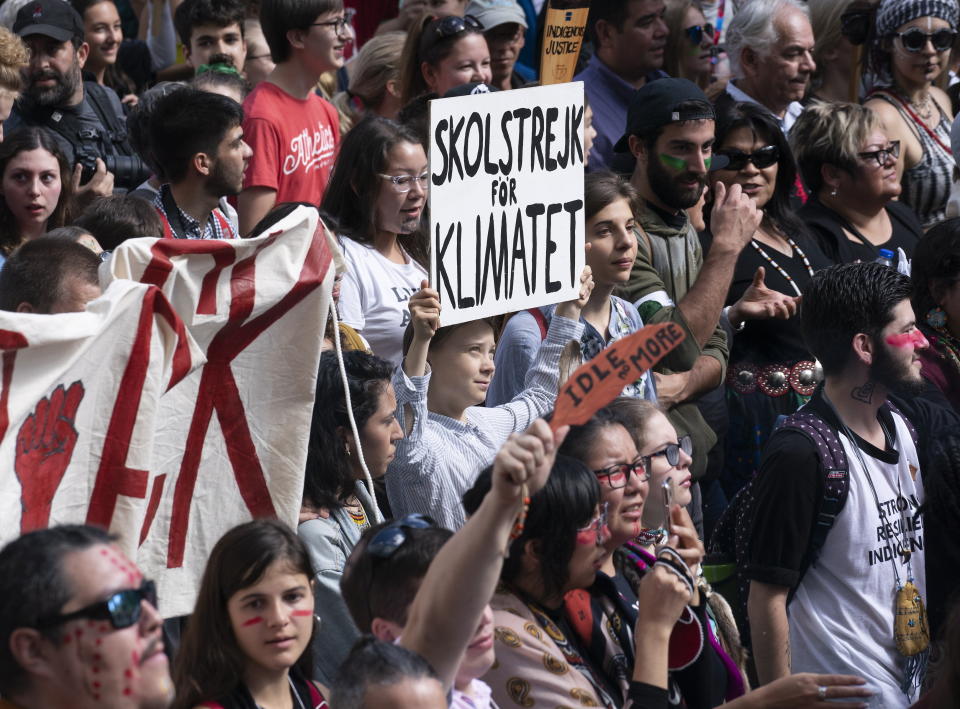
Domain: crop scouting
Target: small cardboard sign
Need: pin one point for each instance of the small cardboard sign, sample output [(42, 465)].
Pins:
[(598, 382), (564, 28)]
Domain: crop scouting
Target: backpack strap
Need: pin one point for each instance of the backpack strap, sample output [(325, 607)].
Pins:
[(541, 321), (907, 423), (836, 469)]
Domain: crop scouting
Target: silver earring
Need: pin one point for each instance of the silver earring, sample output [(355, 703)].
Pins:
[(833, 191)]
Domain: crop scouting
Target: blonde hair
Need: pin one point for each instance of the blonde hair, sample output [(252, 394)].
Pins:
[(14, 55), (377, 64), (829, 133), (825, 20), (677, 41), (635, 414)]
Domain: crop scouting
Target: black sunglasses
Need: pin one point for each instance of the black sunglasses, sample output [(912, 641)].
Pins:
[(449, 26), (122, 609), (764, 157), (915, 39), (883, 155), (672, 450), (696, 32), (616, 476), (855, 25)]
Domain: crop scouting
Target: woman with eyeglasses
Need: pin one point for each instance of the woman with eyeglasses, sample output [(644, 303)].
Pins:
[(910, 50), (337, 505), (848, 162), (374, 203), (690, 52), (443, 53), (247, 643), (559, 547), (770, 372)]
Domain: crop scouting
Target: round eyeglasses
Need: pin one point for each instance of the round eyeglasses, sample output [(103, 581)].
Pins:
[(915, 39)]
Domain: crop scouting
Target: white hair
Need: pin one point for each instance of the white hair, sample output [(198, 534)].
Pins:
[(753, 27)]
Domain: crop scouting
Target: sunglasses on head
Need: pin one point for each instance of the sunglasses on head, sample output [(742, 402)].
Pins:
[(122, 609), (672, 450), (915, 39), (449, 26), (386, 542), (764, 157), (695, 33), (615, 476)]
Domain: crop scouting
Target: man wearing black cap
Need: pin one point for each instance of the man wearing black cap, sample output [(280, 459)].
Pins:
[(86, 119), (670, 133)]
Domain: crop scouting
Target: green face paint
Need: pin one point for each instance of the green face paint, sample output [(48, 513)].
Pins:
[(707, 162), (675, 164)]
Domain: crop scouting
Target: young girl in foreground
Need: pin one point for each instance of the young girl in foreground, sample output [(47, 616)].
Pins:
[(247, 644)]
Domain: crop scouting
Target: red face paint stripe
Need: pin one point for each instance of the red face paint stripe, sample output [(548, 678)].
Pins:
[(905, 339), (302, 613), (253, 621)]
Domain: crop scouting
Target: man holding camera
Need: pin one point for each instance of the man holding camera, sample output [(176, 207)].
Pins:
[(86, 119)]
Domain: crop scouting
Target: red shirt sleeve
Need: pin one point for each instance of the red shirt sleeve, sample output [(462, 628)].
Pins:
[(262, 171)]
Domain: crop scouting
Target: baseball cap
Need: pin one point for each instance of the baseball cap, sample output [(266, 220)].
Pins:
[(496, 12), (52, 18), (657, 103)]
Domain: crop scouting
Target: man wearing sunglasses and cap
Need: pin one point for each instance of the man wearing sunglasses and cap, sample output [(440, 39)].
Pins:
[(79, 625)]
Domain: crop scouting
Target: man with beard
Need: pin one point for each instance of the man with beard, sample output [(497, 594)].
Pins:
[(629, 38), (770, 44), (837, 615), (197, 137), (86, 119), (670, 133), (79, 627)]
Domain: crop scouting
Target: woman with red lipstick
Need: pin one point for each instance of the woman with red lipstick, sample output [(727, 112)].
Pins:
[(247, 644), (910, 51), (103, 33), (611, 236), (374, 203), (771, 372), (34, 188), (849, 164)]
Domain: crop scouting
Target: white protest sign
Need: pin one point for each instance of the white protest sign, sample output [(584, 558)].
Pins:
[(506, 200)]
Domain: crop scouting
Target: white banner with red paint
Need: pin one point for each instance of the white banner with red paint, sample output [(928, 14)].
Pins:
[(232, 439), (79, 405)]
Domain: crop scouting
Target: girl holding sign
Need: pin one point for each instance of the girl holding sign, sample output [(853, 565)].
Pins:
[(449, 436), (611, 234)]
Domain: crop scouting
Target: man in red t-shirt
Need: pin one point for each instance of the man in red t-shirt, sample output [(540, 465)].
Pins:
[(293, 132)]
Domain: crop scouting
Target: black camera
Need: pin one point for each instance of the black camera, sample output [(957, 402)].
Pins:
[(129, 171)]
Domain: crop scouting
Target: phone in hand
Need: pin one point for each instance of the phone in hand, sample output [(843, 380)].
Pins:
[(667, 490), (656, 513)]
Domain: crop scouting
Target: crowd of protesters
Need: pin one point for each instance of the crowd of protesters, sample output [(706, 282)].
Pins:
[(768, 518)]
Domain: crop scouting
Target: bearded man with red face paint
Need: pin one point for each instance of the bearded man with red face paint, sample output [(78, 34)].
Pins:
[(79, 625), (838, 614)]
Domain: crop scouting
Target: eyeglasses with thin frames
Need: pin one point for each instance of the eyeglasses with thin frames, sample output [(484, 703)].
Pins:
[(404, 183), (883, 155), (597, 524), (615, 476), (340, 25)]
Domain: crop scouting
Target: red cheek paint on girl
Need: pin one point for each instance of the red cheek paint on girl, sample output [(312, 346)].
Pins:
[(905, 339), (302, 613), (588, 538), (253, 621)]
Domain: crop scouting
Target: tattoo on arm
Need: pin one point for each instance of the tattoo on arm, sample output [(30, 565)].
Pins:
[(863, 393)]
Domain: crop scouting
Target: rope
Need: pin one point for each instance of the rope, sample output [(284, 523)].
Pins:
[(378, 516)]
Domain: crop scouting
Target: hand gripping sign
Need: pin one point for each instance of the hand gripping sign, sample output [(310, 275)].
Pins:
[(599, 381)]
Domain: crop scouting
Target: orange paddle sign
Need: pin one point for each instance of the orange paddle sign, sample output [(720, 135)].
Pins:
[(598, 382)]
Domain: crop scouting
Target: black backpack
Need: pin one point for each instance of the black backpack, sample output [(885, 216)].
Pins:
[(731, 540)]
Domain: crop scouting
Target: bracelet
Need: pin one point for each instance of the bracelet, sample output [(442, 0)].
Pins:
[(738, 328), (517, 530)]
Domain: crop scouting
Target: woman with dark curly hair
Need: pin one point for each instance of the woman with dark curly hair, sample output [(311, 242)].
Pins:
[(337, 504)]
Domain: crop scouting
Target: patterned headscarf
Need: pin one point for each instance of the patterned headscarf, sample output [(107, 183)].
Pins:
[(896, 13)]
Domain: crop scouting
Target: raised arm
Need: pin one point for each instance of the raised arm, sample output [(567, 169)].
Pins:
[(425, 318), (461, 580)]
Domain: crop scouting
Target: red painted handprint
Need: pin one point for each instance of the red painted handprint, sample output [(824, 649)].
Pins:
[(44, 448)]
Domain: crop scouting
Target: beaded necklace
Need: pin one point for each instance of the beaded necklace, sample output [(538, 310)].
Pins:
[(769, 259)]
